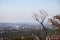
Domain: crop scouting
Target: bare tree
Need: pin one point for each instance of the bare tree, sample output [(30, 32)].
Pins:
[(41, 18)]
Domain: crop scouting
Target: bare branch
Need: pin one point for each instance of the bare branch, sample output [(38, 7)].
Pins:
[(44, 13), (41, 18), (36, 17)]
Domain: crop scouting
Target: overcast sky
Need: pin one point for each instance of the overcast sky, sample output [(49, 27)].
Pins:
[(22, 10)]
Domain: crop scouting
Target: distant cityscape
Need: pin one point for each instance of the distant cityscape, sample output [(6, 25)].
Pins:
[(19, 26)]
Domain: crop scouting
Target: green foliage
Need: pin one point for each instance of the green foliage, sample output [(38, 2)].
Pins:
[(17, 34)]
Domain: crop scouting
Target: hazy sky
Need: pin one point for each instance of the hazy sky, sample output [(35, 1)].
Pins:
[(22, 10)]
